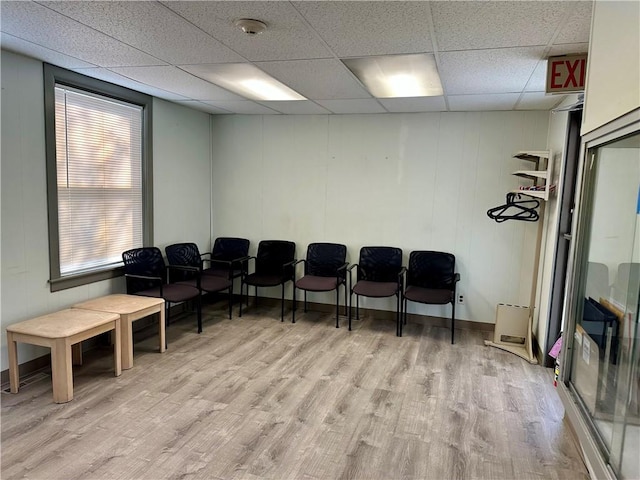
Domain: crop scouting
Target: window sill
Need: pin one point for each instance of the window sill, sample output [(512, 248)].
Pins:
[(71, 281)]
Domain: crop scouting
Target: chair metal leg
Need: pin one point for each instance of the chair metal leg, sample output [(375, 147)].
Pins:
[(282, 305), (337, 306), (346, 307), (199, 313), (453, 318), (305, 301), (241, 295), (166, 321), (293, 312), (357, 307), (350, 303), (230, 300)]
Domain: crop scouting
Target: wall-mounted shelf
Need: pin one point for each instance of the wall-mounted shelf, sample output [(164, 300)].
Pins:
[(540, 176)]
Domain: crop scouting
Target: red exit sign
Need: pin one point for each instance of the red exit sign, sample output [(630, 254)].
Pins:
[(566, 73)]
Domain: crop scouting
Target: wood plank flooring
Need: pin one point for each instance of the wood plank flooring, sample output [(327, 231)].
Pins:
[(254, 398)]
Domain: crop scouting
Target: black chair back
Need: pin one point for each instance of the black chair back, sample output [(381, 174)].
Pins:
[(146, 261), (379, 264), (272, 254), (230, 248), (183, 254), (429, 269), (323, 259)]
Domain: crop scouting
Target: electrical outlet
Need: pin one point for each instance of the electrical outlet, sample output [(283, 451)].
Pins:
[(460, 299)]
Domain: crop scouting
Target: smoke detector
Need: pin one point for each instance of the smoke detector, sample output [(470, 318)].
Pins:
[(250, 27)]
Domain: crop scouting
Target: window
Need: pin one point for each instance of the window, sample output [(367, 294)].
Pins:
[(98, 175)]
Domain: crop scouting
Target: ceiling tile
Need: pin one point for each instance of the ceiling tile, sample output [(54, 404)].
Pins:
[(42, 26), (113, 77), (488, 102), (502, 70), (175, 80), (370, 28), (538, 101), (202, 106), (414, 104), (325, 79), (244, 107), (490, 24), (149, 27), (538, 80), (577, 25), (364, 105), (287, 36), (299, 107), (28, 49)]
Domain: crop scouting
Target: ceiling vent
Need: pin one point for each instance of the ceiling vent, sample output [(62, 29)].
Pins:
[(250, 27)]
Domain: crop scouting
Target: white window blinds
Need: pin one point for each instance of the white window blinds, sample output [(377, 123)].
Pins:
[(99, 178)]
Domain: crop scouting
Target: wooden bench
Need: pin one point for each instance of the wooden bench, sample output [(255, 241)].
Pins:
[(59, 331), (130, 308)]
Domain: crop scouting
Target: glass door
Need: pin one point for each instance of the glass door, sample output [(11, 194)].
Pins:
[(604, 371)]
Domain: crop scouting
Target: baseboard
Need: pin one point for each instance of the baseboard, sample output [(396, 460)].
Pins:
[(27, 368), (384, 314)]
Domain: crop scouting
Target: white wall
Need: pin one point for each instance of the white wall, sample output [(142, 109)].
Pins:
[(415, 181), (613, 68), (181, 196)]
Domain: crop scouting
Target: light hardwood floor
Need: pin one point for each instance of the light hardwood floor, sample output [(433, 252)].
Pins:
[(255, 398)]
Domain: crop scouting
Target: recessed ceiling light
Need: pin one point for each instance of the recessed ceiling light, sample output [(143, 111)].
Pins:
[(398, 75), (246, 80)]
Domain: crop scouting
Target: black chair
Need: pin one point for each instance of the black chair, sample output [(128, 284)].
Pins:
[(324, 270), (432, 279), (273, 267), (188, 255), (228, 258), (380, 274), (147, 275)]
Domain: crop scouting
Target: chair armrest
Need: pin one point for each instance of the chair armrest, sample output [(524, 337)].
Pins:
[(143, 277), (342, 268), (456, 278), (401, 275), (184, 268), (302, 260), (246, 260)]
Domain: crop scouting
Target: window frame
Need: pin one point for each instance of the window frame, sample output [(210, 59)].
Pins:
[(55, 75)]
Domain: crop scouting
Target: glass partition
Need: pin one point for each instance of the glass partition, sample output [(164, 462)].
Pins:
[(604, 369)]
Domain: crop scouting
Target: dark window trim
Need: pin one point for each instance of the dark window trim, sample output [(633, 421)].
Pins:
[(55, 75)]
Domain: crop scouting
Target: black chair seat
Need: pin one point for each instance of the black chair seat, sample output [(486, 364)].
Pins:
[(428, 295), (222, 272), (174, 292), (209, 283), (317, 284), (368, 288)]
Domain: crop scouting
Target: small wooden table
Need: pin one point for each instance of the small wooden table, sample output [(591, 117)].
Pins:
[(130, 308), (59, 331)]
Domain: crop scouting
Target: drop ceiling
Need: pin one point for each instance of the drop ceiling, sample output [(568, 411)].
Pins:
[(491, 55)]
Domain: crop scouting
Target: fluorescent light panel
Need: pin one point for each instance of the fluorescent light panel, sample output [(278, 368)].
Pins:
[(246, 80), (396, 76)]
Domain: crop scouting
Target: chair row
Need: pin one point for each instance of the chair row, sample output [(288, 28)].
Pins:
[(430, 277)]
